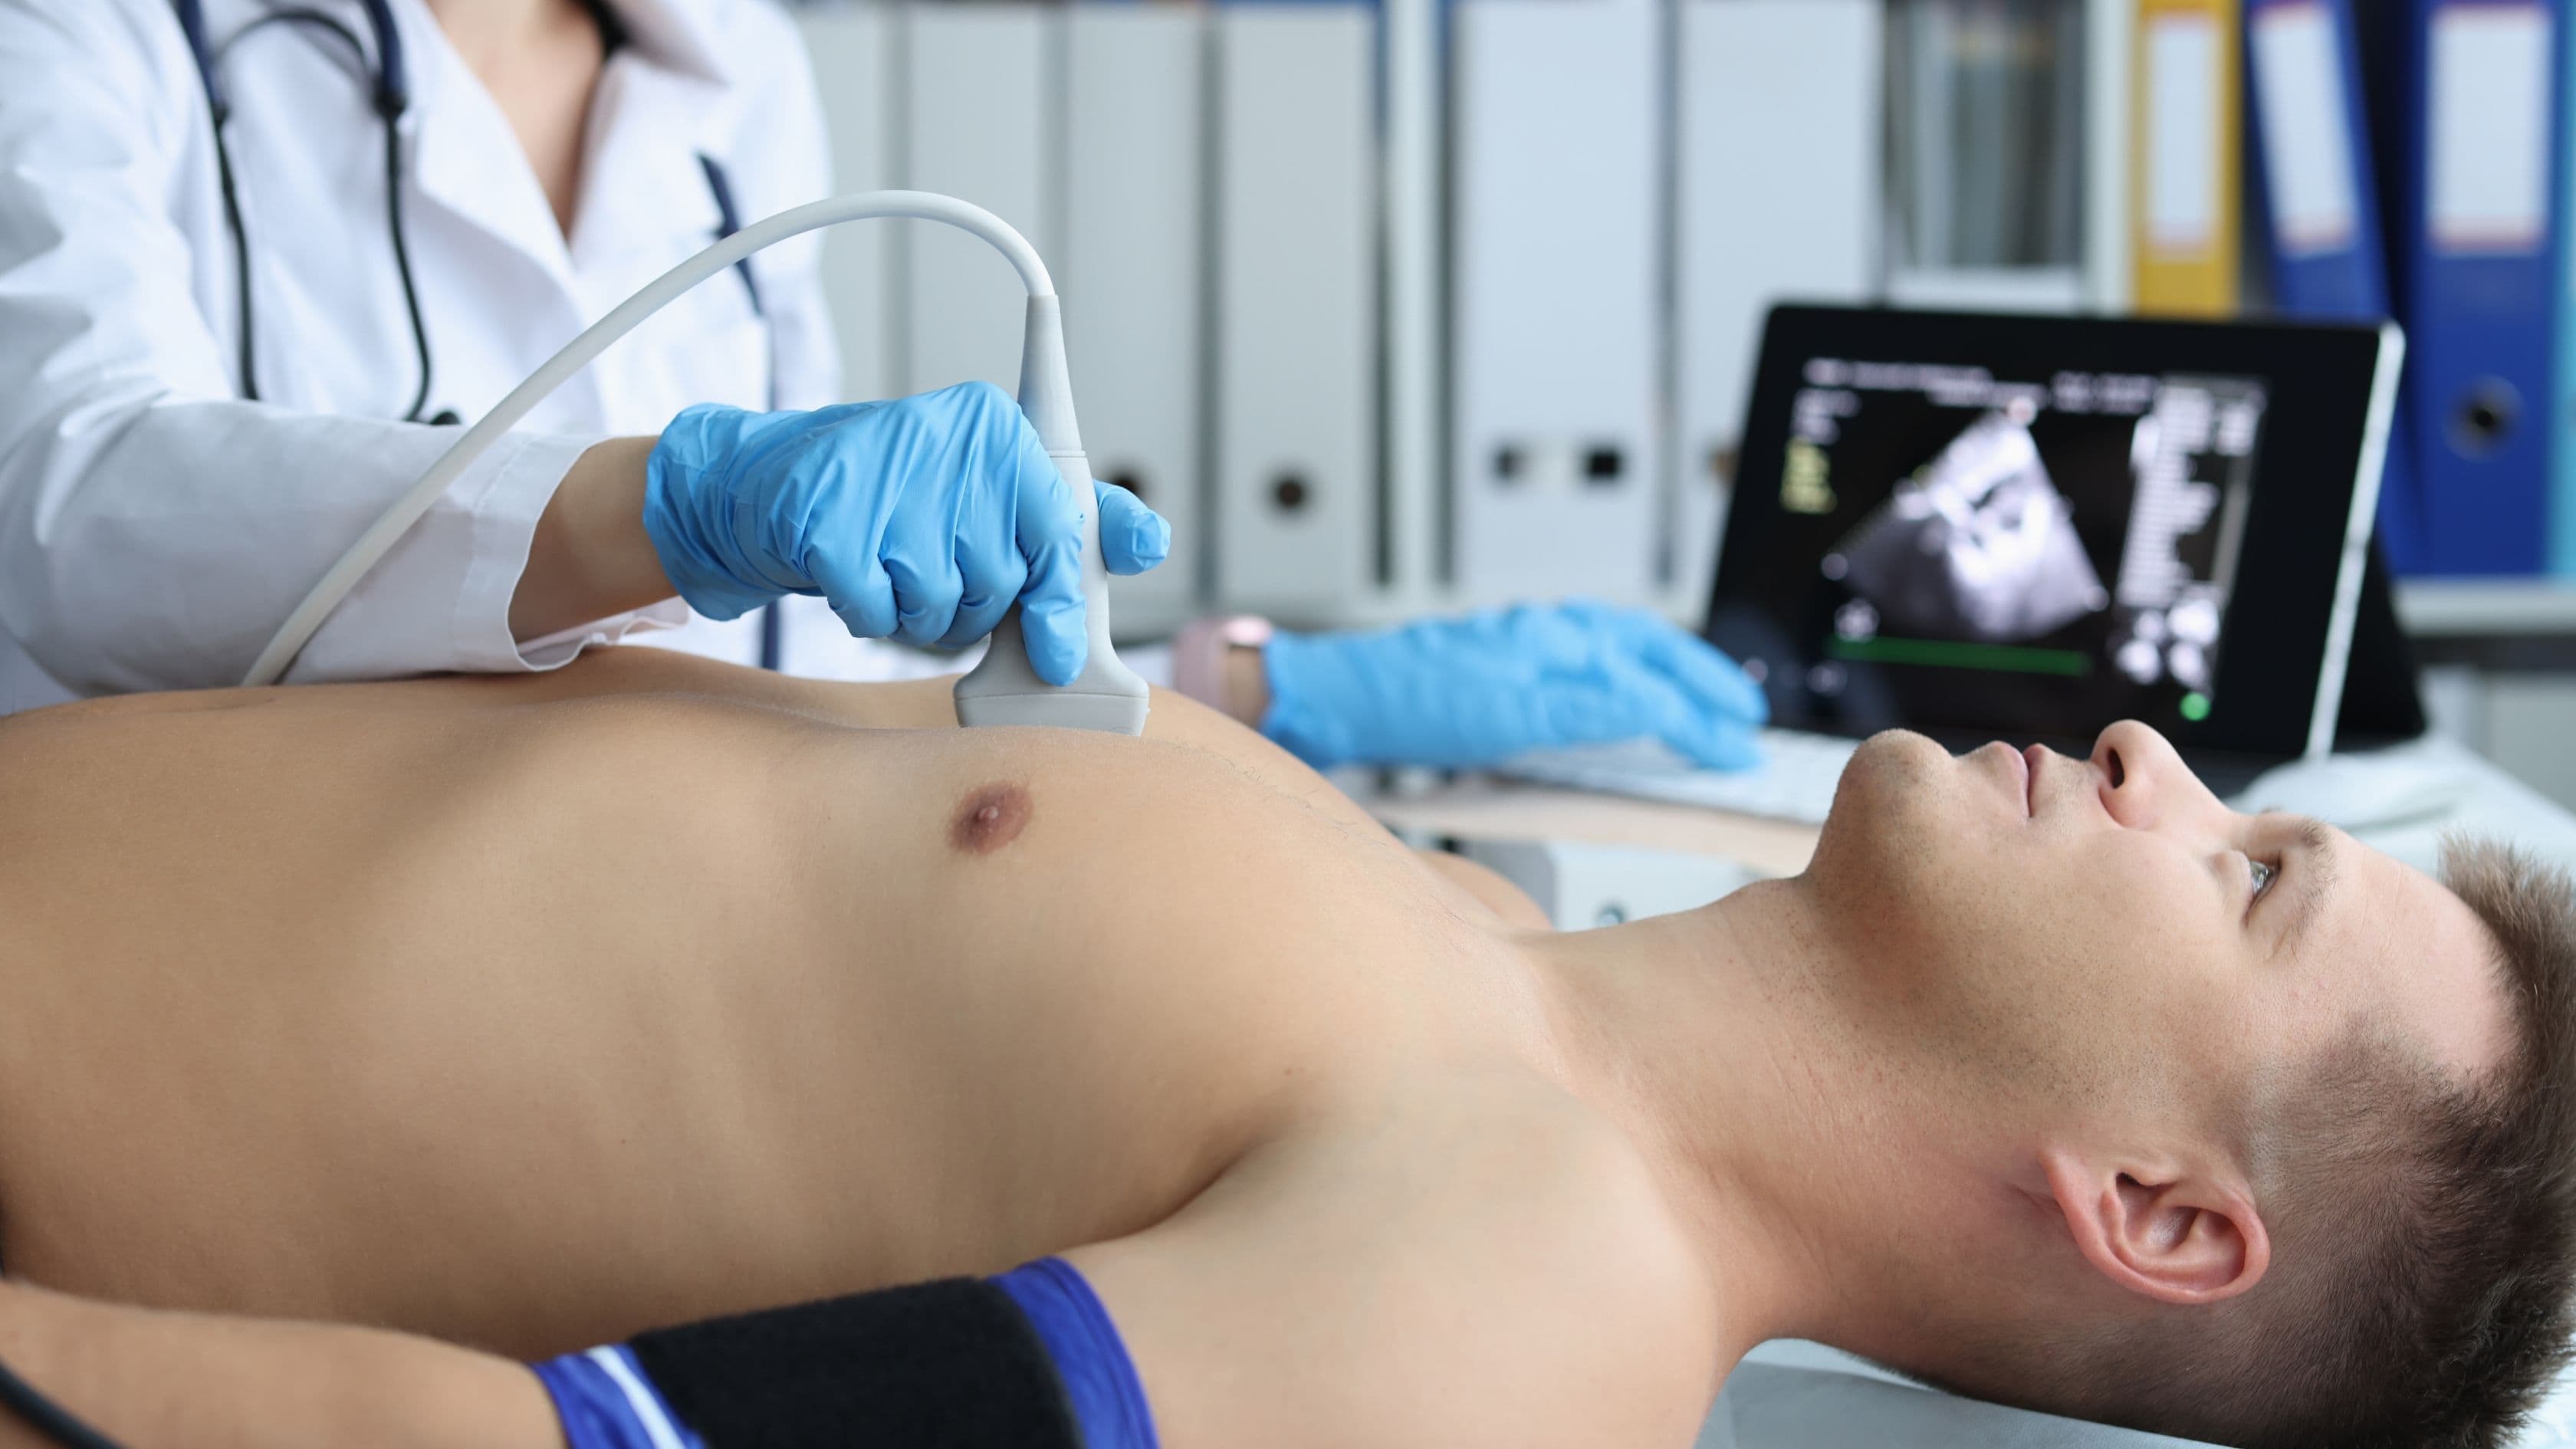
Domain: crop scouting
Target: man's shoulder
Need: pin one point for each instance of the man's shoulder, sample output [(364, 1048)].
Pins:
[(1571, 1209), (1497, 1266)]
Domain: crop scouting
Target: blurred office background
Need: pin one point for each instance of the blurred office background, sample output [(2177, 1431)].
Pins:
[(1413, 304)]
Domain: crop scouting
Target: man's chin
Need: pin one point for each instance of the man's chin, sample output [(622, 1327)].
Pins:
[(1892, 788), (1889, 759)]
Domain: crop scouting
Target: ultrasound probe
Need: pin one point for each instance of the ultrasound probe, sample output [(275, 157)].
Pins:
[(1003, 689)]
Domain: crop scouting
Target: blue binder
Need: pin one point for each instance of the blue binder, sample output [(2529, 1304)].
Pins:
[(2478, 234), (2312, 160), (2317, 190), (2562, 417)]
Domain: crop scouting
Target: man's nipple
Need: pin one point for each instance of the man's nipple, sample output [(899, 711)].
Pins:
[(991, 817)]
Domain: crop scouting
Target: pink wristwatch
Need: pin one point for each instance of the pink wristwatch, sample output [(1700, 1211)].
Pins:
[(1199, 653)]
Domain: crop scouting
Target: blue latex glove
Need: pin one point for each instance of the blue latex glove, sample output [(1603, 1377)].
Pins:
[(1454, 693), (920, 519)]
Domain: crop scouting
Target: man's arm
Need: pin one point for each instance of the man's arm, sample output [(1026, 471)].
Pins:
[(1488, 1264), (150, 1379)]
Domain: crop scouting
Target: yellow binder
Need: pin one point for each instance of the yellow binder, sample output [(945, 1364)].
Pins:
[(2184, 130)]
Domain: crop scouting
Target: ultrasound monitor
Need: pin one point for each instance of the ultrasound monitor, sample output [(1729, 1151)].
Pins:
[(2034, 526)]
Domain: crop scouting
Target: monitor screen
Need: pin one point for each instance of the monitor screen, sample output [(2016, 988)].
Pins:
[(2003, 542)]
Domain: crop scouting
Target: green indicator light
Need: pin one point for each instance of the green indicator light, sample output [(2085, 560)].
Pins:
[(1954, 654), (2195, 706)]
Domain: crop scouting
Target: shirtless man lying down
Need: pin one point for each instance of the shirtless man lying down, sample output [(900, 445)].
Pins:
[(529, 1014)]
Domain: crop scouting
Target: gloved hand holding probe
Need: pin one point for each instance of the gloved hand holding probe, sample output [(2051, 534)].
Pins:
[(921, 519)]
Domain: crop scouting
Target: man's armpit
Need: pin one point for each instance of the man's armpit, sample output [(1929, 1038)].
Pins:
[(1491, 889)]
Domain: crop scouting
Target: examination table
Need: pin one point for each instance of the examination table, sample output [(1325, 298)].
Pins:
[(1793, 1395)]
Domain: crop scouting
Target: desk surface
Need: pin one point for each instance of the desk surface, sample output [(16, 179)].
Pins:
[(2453, 608), (2489, 803), (1480, 807)]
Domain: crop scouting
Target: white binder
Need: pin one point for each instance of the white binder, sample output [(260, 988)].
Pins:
[(2109, 26), (1777, 179), (1130, 269), (1296, 324), (1554, 335), (849, 49), (977, 122)]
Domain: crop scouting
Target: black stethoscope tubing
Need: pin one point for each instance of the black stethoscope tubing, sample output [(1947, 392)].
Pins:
[(390, 89)]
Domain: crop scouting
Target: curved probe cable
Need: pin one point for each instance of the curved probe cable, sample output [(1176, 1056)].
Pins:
[(389, 527), (47, 1417)]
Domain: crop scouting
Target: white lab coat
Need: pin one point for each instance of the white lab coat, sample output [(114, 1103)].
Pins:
[(154, 528)]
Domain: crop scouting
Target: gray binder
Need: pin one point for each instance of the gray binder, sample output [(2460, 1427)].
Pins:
[(1296, 316), (1778, 172), (1554, 323), (1130, 272), (976, 118), (848, 45)]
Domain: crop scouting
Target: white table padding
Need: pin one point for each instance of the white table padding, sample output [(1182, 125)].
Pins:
[(1793, 1395), (2553, 1424)]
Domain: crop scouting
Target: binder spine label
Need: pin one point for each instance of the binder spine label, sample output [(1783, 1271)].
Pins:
[(2306, 153), (2488, 154)]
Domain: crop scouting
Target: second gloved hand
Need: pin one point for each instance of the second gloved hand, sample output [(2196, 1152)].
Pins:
[(921, 519), (1455, 693)]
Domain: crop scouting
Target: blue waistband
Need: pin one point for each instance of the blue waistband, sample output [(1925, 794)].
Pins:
[(1100, 1380), (604, 1401)]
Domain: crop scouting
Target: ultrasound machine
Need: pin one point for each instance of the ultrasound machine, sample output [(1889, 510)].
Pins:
[(2026, 528)]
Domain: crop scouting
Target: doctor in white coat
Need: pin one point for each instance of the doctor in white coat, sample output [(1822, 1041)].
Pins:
[(253, 255), (256, 256)]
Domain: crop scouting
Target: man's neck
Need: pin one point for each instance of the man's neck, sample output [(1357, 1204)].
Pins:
[(1717, 1040)]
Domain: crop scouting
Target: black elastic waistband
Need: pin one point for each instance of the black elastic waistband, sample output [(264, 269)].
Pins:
[(946, 1365)]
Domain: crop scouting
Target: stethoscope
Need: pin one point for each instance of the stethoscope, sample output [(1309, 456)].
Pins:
[(390, 89)]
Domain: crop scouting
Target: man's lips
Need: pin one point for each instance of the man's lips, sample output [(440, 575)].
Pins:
[(2017, 771), (2029, 777)]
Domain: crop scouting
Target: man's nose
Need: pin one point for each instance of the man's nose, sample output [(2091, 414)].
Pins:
[(2142, 780)]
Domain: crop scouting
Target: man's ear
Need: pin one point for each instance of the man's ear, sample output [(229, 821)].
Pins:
[(2174, 1233)]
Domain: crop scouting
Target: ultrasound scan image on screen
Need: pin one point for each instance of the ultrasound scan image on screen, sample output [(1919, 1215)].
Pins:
[(1961, 547)]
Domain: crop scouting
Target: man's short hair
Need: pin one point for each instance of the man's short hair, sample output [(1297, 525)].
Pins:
[(2421, 1226)]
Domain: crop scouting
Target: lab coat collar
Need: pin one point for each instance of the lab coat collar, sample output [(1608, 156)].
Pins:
[(641, 177), (684, 35), (651, 116)]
